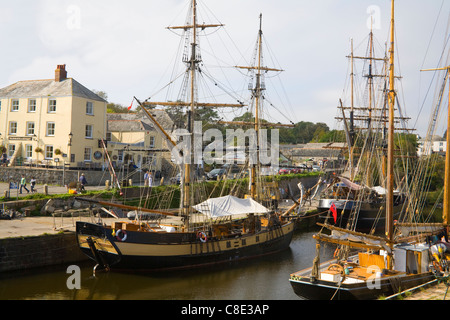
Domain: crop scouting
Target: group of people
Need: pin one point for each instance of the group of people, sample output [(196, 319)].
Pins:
[(148, 182), (23, 184)]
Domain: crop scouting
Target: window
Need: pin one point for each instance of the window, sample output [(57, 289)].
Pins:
[(30, 128), (51, 106), (89, 108), (11, 150), (88, 131), (152, 142), (48, 152), (87, 154), (29, 151), (13, 128), (50, 129), (32, 105), (15, 105)]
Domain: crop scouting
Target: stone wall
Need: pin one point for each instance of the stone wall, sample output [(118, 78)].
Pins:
[(39, 251), (60, 177)]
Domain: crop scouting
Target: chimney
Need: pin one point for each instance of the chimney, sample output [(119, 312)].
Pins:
[(60, 73)]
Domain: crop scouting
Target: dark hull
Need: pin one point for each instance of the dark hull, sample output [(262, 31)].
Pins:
[(151, 251), (368, 216), (305, 288)]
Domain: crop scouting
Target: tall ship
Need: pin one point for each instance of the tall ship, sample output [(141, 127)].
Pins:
[(413, 251), (202, 230), (356, 195)]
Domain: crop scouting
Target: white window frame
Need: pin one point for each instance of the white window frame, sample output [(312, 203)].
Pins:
[(15, 105), (29, 151), (50, 126), (30, 128), (51, 106), (87, 154), (12, 128), (30, 105), (11, 150), (88, 131), (89, 108), (152, 142), (48, 151)]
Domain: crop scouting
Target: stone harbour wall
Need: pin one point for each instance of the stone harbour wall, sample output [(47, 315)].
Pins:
[(60, 177), (39, 251)]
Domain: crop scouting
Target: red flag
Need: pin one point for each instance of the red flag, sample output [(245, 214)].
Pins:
[(334, 211), (129, 108)]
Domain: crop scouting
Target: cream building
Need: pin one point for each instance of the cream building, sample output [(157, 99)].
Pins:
[(51, 122), (133, 140)]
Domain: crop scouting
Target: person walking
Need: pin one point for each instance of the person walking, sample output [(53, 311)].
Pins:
[(83, 182), (150, 179), (33, 184), (146, 178), (23, 184)]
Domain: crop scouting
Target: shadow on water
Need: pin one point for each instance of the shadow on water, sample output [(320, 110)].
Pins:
[(263, 278)]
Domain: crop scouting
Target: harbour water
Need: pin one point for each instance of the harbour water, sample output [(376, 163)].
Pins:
[(264, 278)]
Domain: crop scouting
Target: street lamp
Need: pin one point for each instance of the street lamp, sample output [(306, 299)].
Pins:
[(70, 139)]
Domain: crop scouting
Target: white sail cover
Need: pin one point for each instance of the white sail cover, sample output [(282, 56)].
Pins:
[(229, 206)]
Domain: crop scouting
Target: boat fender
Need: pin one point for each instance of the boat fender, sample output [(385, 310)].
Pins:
[(121, 235), (202, 236)]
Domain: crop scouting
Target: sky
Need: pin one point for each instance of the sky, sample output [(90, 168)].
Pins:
[(124, 49)]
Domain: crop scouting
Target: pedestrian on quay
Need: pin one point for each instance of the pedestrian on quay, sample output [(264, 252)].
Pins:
[(33, 185), (148, 179), (83, 182), (23, 184), (4, 159)]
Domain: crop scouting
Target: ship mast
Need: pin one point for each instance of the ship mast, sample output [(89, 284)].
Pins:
[(193, 65), (446, 196), (257, 94), (390, 160)]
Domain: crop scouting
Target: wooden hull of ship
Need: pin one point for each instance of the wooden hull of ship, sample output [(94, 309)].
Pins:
[(315, 289), (154, 251), (368, 215)]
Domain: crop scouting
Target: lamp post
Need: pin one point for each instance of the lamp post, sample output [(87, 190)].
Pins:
[(69, 145)]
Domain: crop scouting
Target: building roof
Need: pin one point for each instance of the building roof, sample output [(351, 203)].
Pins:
[(322, 150), (48, 88), (135, 122)]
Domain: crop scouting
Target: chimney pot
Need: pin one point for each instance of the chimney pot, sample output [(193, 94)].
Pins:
[(60, 73)]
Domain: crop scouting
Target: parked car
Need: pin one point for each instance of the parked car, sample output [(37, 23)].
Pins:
[(176, 179), (283, 171), (215, 173), (315, 168)]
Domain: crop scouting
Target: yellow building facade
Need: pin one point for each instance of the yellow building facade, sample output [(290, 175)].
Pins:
[(133, 140), (52, 122)]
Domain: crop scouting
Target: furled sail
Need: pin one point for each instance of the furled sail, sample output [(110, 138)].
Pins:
[(229, 206)]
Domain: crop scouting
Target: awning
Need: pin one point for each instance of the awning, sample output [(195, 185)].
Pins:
[(229, 206), (351, 185)]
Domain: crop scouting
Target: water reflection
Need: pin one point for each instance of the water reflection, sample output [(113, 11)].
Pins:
[(264, 278)]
